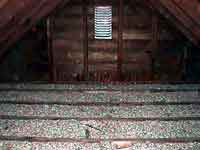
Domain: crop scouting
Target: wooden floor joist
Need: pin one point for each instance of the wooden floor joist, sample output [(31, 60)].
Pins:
[(133, 140)]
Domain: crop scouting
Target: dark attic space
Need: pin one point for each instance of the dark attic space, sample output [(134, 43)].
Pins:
[(27, 59), (137, 43)]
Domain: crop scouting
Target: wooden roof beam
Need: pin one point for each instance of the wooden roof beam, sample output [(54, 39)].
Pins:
[(183, 15), (16, 26)]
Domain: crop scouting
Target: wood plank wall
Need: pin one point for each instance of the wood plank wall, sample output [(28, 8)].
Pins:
[(103, 53), (68, 42), (77, 56), (137, 38)]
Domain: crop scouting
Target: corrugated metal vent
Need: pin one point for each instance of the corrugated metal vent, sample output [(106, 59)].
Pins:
[(103, 22)]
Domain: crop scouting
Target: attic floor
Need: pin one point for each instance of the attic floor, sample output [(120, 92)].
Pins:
[(99, 116)]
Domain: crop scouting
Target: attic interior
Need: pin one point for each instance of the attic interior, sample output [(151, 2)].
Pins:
[(136, 44), (109, 48)]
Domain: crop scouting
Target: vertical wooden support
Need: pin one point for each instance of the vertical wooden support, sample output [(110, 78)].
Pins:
[(120, 40), (184, 62), (52, 72), (156, 34), (85, 39)]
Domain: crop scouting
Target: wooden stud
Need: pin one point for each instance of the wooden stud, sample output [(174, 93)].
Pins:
[(120, 40), (52, 72), (85, 39), (155, 41)]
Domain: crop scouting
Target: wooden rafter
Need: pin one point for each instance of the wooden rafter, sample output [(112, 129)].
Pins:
[(15, 21), (3, 3), (184, 14)]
